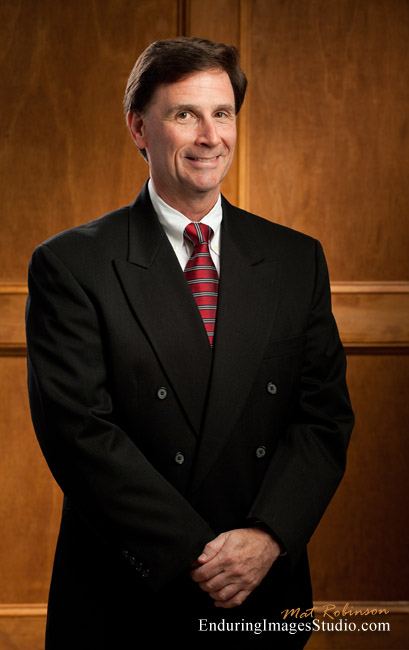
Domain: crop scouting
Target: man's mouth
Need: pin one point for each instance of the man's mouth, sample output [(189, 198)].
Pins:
[(202, 159)]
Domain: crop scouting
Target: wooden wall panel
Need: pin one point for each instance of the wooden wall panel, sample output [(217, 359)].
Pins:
[(327, 131), (30, 501), (322, 147), (372, 315), (359, 551), (12, 307), (22, 628), (67, 156)]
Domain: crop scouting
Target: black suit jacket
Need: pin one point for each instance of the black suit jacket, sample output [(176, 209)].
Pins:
[(159, 444)]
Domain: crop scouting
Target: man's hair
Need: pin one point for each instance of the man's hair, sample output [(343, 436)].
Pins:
[(168, 61)]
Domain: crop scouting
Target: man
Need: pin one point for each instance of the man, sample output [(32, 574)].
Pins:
[(187, 387)]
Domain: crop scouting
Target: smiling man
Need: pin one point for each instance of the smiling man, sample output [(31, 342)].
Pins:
[(189, 133), (187, 387)]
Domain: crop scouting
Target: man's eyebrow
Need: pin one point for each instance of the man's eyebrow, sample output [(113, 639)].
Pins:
[(228, 108)]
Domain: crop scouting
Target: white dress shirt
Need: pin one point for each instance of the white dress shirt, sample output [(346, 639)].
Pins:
[(174, 224)]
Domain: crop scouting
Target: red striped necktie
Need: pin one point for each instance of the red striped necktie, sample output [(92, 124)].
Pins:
[(201, 275)]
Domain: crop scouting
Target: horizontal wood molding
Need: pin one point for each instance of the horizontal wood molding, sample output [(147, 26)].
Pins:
[(369, 287), (13, 298), (392, 607), (13, 288), (373, 317), (13, 349), (17, 288), (23, 609)]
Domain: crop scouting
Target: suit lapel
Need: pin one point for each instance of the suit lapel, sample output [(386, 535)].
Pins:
[(246, 308), (164, 306)]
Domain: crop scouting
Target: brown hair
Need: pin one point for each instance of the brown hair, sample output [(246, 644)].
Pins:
[(169, 61)]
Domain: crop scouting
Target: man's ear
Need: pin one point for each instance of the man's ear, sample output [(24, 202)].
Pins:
[(137, 128)]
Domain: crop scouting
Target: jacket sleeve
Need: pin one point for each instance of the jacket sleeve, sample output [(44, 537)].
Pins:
[(310, 460), (99, 468)]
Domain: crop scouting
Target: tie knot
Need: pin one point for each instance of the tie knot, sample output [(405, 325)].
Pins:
[(197, 233)]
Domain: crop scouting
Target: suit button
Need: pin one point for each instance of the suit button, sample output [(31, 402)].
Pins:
[(145, 573), (162, 392), (179, 458), (261, 452), (271, 388), (139, 566)]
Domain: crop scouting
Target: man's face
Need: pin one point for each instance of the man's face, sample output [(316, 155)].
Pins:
[(189, 133)]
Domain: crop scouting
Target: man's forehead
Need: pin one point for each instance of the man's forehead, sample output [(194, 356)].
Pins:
[(213, 83)]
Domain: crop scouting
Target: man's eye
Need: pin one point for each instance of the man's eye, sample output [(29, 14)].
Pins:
[(221, 114), (184, 115)]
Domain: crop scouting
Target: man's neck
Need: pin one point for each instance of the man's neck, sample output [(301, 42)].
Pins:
[(194, 207)]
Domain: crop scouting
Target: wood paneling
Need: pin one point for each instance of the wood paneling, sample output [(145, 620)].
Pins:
[(12, 306), (22, 628), (322, 147), (67, 157), (30, 501), (328, 133), (359, 551), (372, 315)]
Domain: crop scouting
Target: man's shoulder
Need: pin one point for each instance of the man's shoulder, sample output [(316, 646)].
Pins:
[(267, 233), (102, 231), (104, 237)]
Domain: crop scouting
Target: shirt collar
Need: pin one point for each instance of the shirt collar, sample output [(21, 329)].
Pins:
[(174, 222)]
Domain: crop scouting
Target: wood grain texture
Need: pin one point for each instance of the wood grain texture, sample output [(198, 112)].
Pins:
[(12, 329), (30, 501), (328, 134), (373, 320), (67, 157), (323, 147), (359, 549), (22, 633)]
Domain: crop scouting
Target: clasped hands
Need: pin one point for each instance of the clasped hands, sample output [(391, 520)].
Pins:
[(234, 563)]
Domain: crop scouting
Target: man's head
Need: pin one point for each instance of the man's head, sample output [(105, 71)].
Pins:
[(164, 62), (181, 103)]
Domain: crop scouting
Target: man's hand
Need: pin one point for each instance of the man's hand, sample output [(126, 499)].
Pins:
[(234, 563)]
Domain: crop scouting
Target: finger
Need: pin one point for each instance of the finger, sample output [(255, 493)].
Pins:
[(216, 584), (206, 572), (227, 593), (212, 549), (235, 601)]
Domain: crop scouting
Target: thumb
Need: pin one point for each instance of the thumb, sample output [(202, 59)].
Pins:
[(212, 549)]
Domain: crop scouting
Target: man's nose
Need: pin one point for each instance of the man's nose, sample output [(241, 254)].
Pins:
[(207, 133)]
